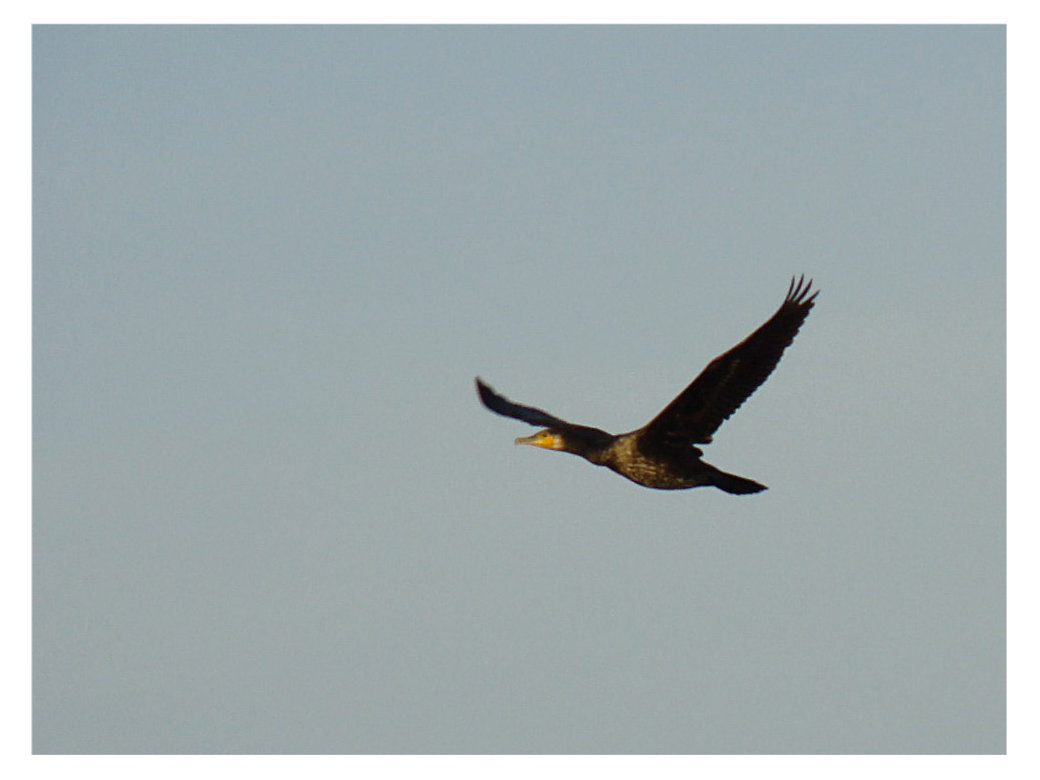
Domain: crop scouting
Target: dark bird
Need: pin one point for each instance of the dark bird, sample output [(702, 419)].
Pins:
[(663, 453)]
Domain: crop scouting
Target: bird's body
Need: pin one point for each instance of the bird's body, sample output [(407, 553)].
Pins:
[(676, 470), (662, 454)]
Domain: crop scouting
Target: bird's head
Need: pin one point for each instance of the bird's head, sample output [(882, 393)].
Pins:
[(550, 440)]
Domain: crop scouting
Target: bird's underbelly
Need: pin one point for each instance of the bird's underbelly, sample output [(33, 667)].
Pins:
[(653, 476), (660, 472)]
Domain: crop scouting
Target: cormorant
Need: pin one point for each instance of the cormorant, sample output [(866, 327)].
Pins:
[(662, 454)]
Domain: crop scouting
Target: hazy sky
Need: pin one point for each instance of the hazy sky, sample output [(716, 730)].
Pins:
[(270, 514)]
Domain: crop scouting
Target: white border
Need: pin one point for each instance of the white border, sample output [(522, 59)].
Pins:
[(1022, 396)]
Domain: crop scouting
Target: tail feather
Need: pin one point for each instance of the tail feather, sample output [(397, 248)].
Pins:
[(731, 483)]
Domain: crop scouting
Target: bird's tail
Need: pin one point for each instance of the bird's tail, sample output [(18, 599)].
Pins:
[(731, 483)]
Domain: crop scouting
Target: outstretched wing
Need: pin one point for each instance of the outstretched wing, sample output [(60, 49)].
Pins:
[(732, 377), (507, 408)]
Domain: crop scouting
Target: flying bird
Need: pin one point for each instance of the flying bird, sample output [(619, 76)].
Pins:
[(663, 453)]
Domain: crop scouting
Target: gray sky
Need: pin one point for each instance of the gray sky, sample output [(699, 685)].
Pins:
[(270, 514)]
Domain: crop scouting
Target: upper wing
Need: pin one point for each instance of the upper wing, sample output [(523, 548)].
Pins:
[(507, 408), (732, 377)]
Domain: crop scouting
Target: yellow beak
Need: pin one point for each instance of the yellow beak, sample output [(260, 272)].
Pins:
[(540, 439)]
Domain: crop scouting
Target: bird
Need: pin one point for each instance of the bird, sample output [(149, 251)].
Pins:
[(663, 454)]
